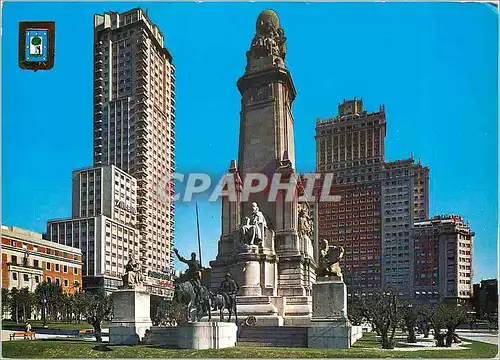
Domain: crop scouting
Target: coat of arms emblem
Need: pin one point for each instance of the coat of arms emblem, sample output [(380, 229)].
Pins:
[(36, 45)]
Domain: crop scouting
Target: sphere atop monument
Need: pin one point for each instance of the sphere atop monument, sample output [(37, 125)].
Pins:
[(268, 17)]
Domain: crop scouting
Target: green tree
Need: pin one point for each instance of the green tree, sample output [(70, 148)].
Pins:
[(158, 309), (26, 302), (80, 301), (36, 40), (47, 295), (14, 304), (175, 313), (67, 306), (6, 301), (99, 308)]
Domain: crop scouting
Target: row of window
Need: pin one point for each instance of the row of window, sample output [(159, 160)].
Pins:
[(43, 250), (346, 164), (48, 265), (26, 278)]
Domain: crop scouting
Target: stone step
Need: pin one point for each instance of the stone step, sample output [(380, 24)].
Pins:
[(273, 336), (269, 344)]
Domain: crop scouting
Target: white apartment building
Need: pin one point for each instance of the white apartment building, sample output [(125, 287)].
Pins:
[(102, 225), (405, 200)]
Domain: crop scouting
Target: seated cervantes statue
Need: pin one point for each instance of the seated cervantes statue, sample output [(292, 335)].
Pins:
[(254, 227), (328, 261), (133, 275)]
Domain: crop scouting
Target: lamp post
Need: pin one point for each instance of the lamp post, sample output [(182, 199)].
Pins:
[(44, 312)]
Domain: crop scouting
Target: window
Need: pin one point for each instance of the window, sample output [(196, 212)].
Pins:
[(47, 265), (75, 271), (58, 281), (14, 276), (65, 269), (57, 267), (37, 279), (76, 284), (65, 283), (26, 277), (36, 263), (13, 259)]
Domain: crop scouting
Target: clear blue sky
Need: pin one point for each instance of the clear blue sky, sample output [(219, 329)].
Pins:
[(434, 66)]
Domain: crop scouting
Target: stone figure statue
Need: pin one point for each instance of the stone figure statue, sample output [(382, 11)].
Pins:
[(25, 259), (254, 226), (282, 42), (193, 273), (305, 224), (329, 258), (269, 38), (133, 275)]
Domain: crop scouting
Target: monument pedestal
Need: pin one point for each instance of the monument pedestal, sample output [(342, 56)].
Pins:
[(196, 336), (330, 327), (131, 316)]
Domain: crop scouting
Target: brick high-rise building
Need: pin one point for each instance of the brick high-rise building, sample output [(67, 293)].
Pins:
[(405, 200), (443, 259), (134, 106), (351, 146)]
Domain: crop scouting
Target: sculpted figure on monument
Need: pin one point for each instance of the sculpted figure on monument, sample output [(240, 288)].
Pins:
[(226, 297), (269, 38), (133, 275), (193, 273), (254, 226), (329, 258), (305, 223)]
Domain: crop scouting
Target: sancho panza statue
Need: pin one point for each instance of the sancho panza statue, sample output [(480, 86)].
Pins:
[(133, 276), (254, 227), (328, 261)]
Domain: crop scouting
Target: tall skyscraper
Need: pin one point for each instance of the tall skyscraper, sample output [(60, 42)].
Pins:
[(134, 112), (405, 200), (351, 146)]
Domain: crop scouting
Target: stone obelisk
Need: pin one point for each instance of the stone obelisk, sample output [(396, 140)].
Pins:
[(275, 275)]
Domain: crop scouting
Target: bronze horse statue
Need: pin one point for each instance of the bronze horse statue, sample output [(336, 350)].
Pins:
[(221, 302), (184, 294)]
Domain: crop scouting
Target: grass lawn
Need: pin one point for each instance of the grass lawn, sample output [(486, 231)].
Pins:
[(39, 324), (367, 347)]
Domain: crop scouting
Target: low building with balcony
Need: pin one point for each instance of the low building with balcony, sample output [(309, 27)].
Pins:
[(28, 259)]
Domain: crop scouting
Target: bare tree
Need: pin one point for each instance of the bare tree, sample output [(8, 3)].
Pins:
[(444, 318), (355, 311), (99, 308), (409, 315), (383, 312)]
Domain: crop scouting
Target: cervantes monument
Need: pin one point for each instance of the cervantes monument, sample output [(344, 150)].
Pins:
[(266, 241)]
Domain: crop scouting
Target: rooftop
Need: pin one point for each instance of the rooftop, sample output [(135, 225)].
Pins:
[(33, 237)]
